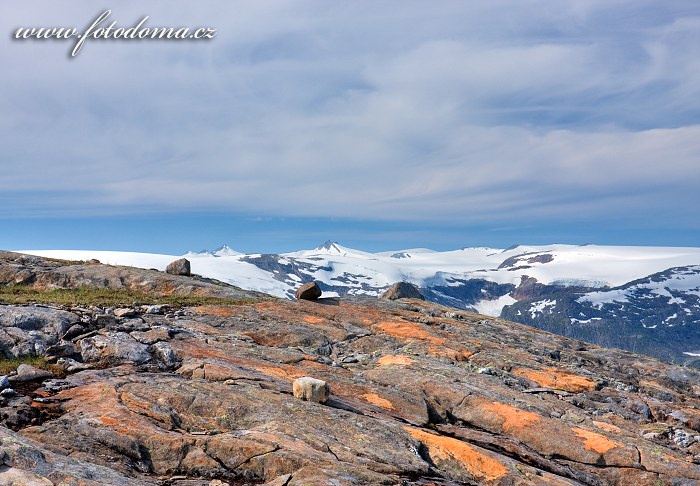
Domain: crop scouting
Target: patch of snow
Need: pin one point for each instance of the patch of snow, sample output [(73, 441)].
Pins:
[(577, 282), (539, 307), (669, 318), (585, 321), (494, 307)]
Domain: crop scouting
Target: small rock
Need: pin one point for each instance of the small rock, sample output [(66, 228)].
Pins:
[(640, 408), (27, 372), (4, 382), (125, 312), (350, 359), (60, 350), (682, 438), (104, 320), (569, 416), (485, 371), (311, 389), (8, 392), (308, 291), (626, 387), (74, 331), (152, 336), (155, 309), (164, 354), (179, 267), (71, 365), (402, 290)]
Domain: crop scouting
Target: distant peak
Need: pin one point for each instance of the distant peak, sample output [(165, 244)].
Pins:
[(225, 250), (329, 245)]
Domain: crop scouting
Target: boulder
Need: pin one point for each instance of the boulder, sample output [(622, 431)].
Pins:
[(402, 290), (311, 389), (114, 348), (179, 267), (125, 312), (308, 291), (27, 372)]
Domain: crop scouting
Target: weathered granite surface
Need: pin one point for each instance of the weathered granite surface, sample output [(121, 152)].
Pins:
[(419, 394)]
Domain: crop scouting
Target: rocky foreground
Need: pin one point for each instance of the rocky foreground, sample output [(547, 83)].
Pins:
[(419, 393)]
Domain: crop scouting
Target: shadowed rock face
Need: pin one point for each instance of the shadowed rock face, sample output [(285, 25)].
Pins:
[(308, 291), (420, 394), (402, 290)]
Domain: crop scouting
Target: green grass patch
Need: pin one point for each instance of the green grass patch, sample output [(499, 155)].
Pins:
[(104, 297), (10, 364)]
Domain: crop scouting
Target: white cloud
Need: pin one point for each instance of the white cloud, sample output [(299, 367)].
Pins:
[(456, 111)]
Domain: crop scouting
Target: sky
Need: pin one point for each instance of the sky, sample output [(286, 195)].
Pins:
[(379, 124)]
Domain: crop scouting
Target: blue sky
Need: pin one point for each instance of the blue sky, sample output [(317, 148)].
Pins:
[(382, 125)]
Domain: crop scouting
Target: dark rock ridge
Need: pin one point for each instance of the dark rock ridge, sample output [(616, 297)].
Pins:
[(419, 394), (649, 315)]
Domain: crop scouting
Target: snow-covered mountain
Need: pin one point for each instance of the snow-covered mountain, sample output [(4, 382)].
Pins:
[(641, 298)]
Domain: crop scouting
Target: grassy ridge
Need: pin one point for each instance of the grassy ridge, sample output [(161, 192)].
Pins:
[(103, 297)]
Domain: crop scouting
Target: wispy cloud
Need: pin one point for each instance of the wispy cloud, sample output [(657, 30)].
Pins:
[(444, 111)]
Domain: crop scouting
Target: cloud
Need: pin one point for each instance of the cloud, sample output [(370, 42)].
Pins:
[(457, 112)]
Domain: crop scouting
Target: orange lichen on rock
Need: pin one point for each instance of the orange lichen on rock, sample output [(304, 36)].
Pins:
[(408, 331), (553, 378), (216, 310), (395, 359), (443, 448), (108, 421), (514, 418), (379, 401), (278, 372), (595, 442), (607, 427), (313, 320)]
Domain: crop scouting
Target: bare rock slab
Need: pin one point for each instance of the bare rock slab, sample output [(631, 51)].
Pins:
[(179, 267), (308, 291), (311, 389)]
